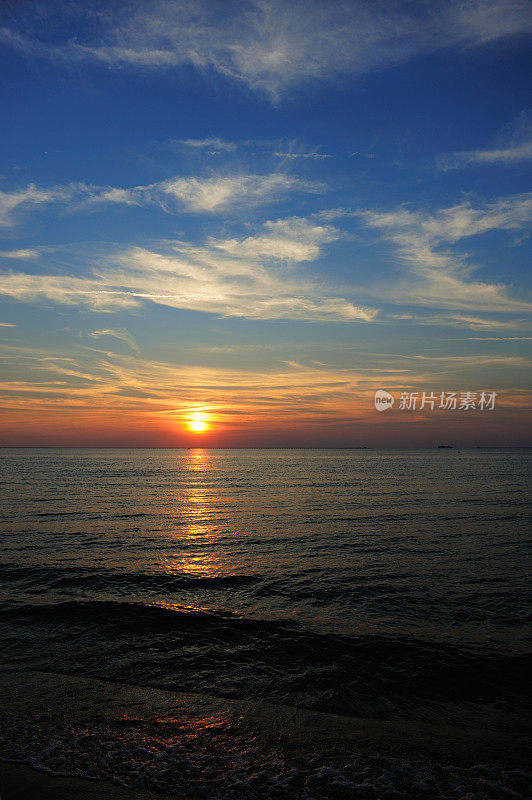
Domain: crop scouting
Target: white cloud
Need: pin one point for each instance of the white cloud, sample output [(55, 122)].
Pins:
[(219, 193), (214, 144), (499, 339), (239, 278), (126, 197), (415, 231), (19, 254), (63, 289), (295, 239), (440, 276), (487, 323), (11, 202), (514, 146), (502, 155), (463, 320), (288, 150), (293, 155), (122, 334), (272, 45), (467, 362), (212, 194)]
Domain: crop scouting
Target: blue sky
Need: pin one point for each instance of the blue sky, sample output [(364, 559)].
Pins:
[(263, 211)]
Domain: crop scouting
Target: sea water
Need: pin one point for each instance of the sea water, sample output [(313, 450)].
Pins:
[(384, 585)]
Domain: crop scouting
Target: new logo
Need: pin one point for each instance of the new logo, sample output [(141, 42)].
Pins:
[(383, 400)]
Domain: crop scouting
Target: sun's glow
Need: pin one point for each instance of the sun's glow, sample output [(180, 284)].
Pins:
[(198, 423)]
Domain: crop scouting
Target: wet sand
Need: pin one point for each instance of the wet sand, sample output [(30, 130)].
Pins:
[(20, 782), (165, 740)]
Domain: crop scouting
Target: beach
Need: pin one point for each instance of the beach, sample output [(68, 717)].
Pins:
[(102, 738), (21, 783)]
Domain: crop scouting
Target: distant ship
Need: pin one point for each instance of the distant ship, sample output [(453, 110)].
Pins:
[(445, 447)]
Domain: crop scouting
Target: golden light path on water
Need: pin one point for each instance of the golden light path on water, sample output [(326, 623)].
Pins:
[(196, 508)]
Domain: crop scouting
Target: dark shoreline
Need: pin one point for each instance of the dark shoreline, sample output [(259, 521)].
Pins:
[(204, 730), (21, 782)]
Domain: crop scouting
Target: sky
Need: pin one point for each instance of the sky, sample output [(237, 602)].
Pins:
[(229, 223)]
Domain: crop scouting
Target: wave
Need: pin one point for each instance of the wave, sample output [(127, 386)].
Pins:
[(275, 660), (187, 745), (96, 580)]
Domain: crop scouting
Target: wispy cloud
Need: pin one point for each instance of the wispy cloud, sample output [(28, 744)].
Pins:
[(488, 323), (473, 322), (64, 289), (220, 193), (502, 155), (513, 147), (10, 202), (213, 145), (499, 339), (466, 362), (213, 194), (293, 154), (19, 254), (106, 391), (122, 334), (268, 45), (440, 276), (286, 149), (110, 390), (246, 277), (294, 239)]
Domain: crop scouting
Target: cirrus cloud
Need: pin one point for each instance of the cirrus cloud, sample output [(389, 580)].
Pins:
[(437, 275), (250, 277), (212, 194), (268, 45)]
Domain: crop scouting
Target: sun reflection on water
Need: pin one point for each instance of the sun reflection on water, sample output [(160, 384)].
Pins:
[(198, 510)]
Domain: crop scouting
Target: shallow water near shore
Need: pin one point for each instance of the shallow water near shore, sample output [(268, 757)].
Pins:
[(385, 586), (190, 745)]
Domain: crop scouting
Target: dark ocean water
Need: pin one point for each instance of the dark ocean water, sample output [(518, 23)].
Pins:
[(380, 584), (360, 582)]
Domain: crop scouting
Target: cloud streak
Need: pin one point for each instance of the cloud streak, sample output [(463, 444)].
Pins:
[(499, 339), (23, 255), (213, 194), (121, 334), (11, 202), (214, 144), (268, 45), (438, 275), (98, 380), (514, 154), (254, 277), (516, 148)]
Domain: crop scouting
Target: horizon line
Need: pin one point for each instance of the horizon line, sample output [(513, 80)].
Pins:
[(287, 447)]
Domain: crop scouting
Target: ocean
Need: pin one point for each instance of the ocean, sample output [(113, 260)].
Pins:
[(250, 594)]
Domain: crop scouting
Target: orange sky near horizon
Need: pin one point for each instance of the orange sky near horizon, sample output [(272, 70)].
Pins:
[(104, 398), (359, 425)]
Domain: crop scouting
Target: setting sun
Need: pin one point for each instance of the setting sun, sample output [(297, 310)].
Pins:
[(198, 423)]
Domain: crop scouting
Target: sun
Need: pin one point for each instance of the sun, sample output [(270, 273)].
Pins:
[(197, 426), (198, 423)]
